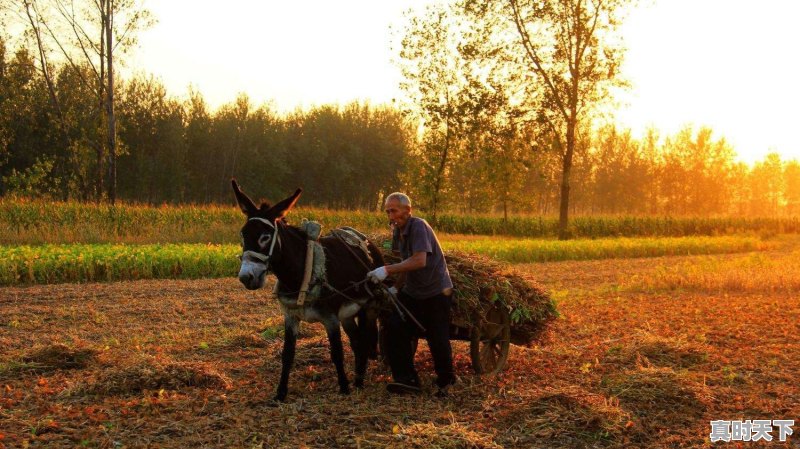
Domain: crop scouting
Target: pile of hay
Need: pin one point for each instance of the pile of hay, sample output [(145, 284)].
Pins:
[(155, 375), (647, 350), (58, 356), (657, 395), (246, 341), (480, 281), (571, 418)]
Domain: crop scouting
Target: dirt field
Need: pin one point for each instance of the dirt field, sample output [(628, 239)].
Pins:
[(181, 364)]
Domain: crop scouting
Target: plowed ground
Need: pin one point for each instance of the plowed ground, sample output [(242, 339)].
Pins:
[(195, 363)]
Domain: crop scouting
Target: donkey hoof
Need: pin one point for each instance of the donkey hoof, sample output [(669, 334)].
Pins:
[(344, 389), (359, 383), (279, 397)]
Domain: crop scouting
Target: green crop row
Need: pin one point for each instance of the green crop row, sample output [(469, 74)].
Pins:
[(45, 264), (48, 264), (38, 222), (531, 250)]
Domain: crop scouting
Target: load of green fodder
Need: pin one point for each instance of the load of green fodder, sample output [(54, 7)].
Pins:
[(479, 282)]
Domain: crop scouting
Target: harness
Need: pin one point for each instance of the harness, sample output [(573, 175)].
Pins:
[(275, 237), (314, 269)]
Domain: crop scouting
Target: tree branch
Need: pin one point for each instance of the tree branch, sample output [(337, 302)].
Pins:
[(531, 52)]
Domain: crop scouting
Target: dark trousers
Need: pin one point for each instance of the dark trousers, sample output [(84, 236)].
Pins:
[(434, 315)]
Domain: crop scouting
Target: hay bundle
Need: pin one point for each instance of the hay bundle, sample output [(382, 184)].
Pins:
[(480, 281)]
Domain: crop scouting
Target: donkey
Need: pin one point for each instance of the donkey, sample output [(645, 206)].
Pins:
[(270, 244)]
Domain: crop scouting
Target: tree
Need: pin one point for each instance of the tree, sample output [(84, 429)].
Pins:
[(791, 175), (88, 34), (570, 48), (434, 83), (767, 184)]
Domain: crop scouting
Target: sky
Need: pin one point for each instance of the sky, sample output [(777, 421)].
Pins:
[(727, 64)]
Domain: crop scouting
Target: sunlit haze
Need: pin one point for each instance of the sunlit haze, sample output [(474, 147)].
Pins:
[(730, 65)]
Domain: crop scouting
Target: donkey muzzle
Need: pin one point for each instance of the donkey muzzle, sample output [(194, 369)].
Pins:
[(252, 274)]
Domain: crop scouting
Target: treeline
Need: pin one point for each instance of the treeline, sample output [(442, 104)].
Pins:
[(178, 151), (172, 150), (689, 173)]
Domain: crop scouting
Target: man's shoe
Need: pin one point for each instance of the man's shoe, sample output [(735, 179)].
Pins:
[(441, 392), (402, 388), (452, 381)]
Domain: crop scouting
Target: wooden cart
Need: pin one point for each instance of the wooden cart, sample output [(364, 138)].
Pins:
[(489, 339)]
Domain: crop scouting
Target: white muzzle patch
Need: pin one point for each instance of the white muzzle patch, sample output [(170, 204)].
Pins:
[(252, 274)]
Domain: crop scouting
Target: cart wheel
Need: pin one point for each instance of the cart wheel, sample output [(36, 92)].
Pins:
[(489, 341)]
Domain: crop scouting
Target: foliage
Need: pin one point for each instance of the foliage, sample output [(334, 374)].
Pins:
[(349, 156)]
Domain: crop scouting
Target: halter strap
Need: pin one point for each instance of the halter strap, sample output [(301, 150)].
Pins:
[(275, 237), (263, 220)]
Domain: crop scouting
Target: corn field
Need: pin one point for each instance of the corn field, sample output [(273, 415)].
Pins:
[(39, 222)]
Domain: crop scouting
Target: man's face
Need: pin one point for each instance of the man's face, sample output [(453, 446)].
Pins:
[(397, 213)]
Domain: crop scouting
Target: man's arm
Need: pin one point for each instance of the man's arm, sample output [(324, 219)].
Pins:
[(415, 262), (400, 280)]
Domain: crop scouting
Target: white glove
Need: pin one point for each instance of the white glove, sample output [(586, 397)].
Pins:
[(392, 290), (377, 275)]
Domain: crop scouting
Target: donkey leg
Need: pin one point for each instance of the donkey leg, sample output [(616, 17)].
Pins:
[(353, 332), (291, 329), (337, 353)]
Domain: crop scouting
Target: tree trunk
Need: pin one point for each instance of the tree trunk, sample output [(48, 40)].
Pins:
[(566, 168), (440, 174), (112, 125), (100, 174)]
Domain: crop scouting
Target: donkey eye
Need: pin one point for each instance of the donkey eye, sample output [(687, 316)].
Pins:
[(264, 240)]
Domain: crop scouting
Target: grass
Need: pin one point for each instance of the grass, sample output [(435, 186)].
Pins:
[(38, 222), (49, 263)]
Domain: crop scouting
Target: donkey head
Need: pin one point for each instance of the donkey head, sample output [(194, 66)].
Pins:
[(261, 244)]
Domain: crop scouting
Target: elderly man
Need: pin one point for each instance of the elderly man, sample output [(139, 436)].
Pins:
[(425, 289)]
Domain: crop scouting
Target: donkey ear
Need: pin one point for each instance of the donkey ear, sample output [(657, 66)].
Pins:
[(245, 203), (284, 206)]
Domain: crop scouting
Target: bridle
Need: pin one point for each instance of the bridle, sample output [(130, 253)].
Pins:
[(261, 258)]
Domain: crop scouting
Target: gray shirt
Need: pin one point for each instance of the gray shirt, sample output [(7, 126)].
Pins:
[(417, 236)]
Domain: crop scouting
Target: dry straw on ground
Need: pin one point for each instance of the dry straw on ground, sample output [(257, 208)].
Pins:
[(47, 358), (155, 375), (648, 350), (426, 435), (571, 416)]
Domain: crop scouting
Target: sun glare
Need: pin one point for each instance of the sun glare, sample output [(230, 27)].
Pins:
[(723, 64)]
